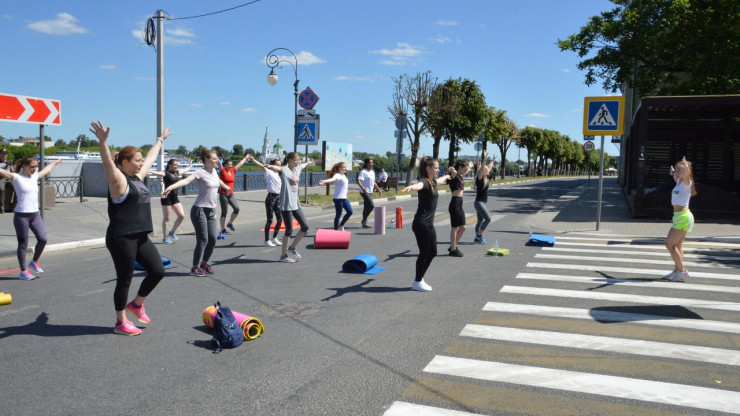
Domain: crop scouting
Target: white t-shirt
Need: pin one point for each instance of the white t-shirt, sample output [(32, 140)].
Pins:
[(383, 176), (681, 194), (340, 186), (208, 184), (27, 190), (273, 181), (367, 179)]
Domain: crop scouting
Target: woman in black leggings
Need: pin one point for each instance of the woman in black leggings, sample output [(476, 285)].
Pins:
[(423, 224), (130, 214)]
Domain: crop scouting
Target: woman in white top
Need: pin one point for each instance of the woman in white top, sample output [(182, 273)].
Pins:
[(27, 215), (272, 202), (683, 220), (338, 174), (203, 212)]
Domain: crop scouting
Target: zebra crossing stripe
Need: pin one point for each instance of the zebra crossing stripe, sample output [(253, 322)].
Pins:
[(619, 297), (602, 385), (601, 343), (654, 241), (410, 409), (613, 316), (633, 261), (643, 247), (631, 270), (652, 284), (663, 254)]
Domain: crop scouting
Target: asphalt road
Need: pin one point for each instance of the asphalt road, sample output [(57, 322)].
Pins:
[(334, 343)]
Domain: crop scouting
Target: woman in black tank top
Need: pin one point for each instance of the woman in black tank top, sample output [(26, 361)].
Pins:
[(481, 198)]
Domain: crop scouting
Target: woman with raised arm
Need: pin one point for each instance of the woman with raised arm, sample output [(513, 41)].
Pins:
[(170, 175), (130, 214), (203, 211), (272, 201), (423, 224), (290, 205), (683, 219), (457, 214), (27, 215), (481, 199), (226, 197), (338, 174)]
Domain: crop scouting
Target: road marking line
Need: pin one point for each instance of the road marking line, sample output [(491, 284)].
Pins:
[(654, 240), (663, 254), (649, 247), (634, 261), (601, 343), (602, 385), (598, 268), (619, 297), (411, 409), (613, 316), (652, 284)]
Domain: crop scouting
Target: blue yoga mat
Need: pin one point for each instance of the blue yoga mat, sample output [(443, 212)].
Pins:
[(540, 240), (167, 263), (364, 263)]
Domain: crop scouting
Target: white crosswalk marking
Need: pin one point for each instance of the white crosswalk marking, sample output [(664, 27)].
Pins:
[(696, 334)]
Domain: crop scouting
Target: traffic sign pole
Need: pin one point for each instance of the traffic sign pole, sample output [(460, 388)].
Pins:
[(601, 183)]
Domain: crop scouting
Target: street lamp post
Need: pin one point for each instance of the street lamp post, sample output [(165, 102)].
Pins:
[(273, 60)]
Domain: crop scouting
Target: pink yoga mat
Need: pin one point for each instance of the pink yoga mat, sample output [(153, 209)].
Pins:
[(326, 238), (251, 326)]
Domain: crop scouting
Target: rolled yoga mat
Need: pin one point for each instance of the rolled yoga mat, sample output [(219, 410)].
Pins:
[(5, 298), (539, 240), (167, 263), (251, 326), (296, 225), (380, 220), (364, 263), (326, 238)]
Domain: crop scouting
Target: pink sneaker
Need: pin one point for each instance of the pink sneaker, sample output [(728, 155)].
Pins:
[(138, 312), (126, 327), (207, 268)]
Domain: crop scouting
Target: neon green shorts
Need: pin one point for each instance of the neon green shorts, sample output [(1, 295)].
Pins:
[(683, 220)]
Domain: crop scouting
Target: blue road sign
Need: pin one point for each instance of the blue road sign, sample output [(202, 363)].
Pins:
[(603, 115), (308, 131)]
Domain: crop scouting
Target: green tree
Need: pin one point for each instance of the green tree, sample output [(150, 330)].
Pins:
[(238, 150), (442, 108), (531, 138), (411, 97), (662, 47), (469, 118)]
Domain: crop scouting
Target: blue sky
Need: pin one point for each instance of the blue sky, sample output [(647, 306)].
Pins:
[(91, 57)]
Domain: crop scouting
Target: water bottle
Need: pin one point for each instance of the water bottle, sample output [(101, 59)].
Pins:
[(495, 247), (393, 223)]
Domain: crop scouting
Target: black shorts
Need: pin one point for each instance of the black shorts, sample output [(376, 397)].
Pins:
[(457, 214), (171, 199)]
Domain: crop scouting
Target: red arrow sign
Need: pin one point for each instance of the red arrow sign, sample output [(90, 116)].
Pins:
[(21, 109)]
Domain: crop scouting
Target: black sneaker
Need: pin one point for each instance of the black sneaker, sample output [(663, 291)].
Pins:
[(456, 253), (364, 225)]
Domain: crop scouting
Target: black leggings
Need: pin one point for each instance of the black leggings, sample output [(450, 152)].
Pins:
[(426, 239), (124, 250), (368, 205), (225, 200), (272, 205)]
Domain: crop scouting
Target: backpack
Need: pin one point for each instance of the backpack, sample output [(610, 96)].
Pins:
[(226, 330)]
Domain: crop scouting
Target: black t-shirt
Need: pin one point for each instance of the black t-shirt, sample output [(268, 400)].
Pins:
[(134, 214), (457, 183), (481, 189), (169, 178), (427, 202)]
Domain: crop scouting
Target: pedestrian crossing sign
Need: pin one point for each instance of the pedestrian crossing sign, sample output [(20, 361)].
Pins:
[(308, 131), (603, 115)]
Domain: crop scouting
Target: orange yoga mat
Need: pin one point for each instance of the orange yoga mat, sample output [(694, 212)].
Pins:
[(326, 238), (296, 226), (251, 326)]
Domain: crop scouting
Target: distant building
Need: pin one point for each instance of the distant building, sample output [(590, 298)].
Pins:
[(32, 140), (268, 153)]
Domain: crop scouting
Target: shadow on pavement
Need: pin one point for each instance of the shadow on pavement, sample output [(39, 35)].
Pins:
[(42, 328)]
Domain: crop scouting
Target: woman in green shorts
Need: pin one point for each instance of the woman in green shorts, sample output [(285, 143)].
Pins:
[(683, 220)]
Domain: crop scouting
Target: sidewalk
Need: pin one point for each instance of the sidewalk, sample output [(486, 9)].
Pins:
[(71, 224)]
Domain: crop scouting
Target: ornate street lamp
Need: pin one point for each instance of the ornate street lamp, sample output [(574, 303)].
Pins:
[(273, 60)]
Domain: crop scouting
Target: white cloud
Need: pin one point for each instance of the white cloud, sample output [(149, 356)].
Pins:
[(173, 36), (108, 67), (224, 103), (303, 57), (446, 23), (538, 115), (400, 55), (145, 78), (8, 17), (566, 70), (194, 105), (64, 24), (442, 39), (353, 78), (249, 110)]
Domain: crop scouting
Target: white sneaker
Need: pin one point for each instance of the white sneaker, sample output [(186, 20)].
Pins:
[(421, 286), (680, 276), (269, 243), (669, 275), (276, 241)]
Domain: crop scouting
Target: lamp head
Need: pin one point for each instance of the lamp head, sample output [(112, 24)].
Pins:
[(272, 78)]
